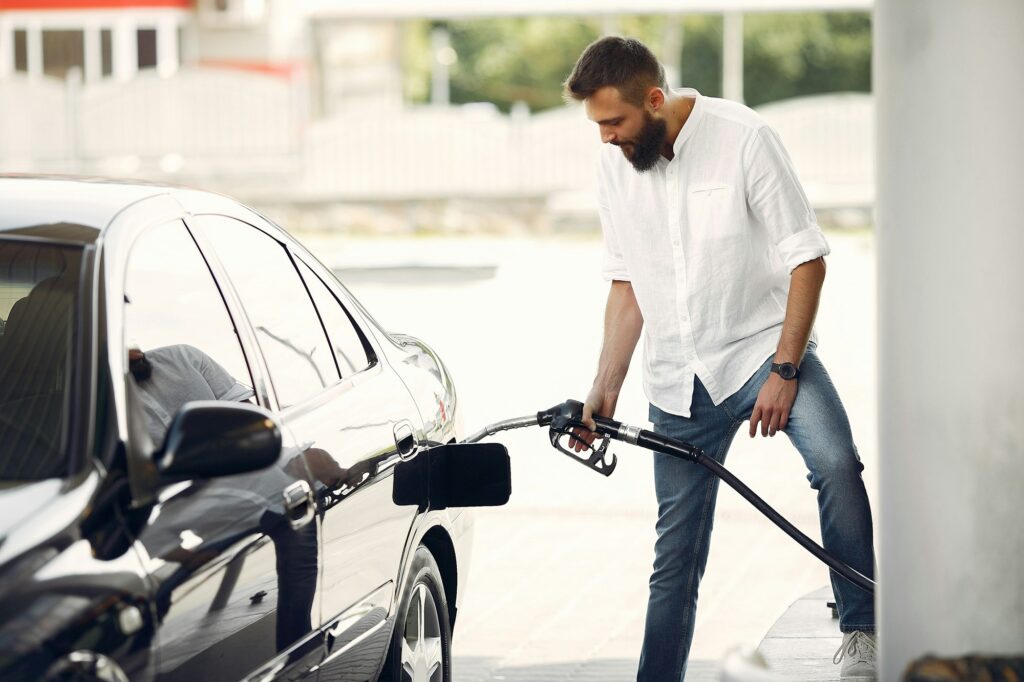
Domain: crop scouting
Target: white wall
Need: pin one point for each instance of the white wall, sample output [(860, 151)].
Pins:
[(951, 239)]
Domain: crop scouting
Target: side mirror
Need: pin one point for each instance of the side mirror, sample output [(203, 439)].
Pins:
[(455, 475), (216, 438)]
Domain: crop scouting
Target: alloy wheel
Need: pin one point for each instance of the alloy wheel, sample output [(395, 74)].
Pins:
[(422, 645)]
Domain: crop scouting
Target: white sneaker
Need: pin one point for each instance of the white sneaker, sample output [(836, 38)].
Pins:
[(857, 654)]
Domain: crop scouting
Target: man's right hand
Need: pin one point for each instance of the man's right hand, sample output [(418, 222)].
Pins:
[(600, 401)]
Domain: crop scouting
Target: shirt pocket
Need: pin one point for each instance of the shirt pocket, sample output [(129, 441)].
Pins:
[(711, 210)]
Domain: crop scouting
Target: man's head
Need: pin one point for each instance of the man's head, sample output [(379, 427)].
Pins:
[(138, 364), (622, 86)]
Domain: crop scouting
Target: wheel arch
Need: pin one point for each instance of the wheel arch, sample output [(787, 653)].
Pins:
[(439, 543)]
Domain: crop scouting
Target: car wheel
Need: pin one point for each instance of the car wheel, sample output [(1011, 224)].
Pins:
[(421, 643)]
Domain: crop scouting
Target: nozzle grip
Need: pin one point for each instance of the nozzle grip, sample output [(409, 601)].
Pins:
[(566, 417), (570, 415)]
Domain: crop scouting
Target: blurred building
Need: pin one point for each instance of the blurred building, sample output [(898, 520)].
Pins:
[(300, 103), (101, 38), (345, 58)]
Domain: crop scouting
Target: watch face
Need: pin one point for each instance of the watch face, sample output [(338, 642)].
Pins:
[(787, 370)]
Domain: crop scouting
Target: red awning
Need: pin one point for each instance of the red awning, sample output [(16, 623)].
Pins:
[(90, 4)]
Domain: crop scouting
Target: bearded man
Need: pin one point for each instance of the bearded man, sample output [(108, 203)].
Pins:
[(711, 243)]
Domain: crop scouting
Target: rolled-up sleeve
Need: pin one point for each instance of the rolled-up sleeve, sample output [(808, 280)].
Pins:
[(777, 201), (613, 266)]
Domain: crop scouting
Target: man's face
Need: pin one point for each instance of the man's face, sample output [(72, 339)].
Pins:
[(633, 129), (138, 365)]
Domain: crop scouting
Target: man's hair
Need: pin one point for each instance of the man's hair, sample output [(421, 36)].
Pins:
[(623, 63)]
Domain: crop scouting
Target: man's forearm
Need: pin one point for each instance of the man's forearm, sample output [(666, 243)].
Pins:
[(622, 325), (801, 309)]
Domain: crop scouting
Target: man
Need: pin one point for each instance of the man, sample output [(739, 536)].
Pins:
[(194, 528), (170, 376), (710, 242)]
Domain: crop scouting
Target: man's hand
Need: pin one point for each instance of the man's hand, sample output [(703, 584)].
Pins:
[(774, 402), (600, 401)]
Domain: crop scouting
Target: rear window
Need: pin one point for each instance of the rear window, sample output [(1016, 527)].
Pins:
[(38, 288)]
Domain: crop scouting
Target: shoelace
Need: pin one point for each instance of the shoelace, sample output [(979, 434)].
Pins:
[(852, 647)]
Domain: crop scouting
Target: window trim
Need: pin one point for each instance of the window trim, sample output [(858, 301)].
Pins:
[(251, 343), (261, 399), (371, 353), (361, 318)]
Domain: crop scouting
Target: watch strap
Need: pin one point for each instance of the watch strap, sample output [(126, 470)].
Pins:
[(785, 368)]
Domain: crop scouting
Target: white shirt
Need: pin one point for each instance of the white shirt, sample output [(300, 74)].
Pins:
[(708, 241)]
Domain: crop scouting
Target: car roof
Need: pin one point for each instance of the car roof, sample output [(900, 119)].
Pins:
[(66, 208)]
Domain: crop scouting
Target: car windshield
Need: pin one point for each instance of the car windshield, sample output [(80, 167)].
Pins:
[(38, 286)]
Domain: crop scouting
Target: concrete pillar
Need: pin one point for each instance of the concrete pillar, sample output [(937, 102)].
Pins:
[(34, 49), (951, 325), (443, 58), (125, 48), (732, 56), (672, 50), (93, 52), (610, 25), (167, 57)]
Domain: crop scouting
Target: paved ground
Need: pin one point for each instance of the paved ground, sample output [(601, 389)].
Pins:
[(558, 584), (800, 644)]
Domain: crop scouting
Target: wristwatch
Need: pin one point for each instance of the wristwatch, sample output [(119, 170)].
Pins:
[(786, 370)]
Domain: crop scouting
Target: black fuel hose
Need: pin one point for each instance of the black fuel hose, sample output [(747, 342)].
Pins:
[(568, 415)]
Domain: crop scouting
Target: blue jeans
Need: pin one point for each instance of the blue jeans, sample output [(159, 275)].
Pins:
[(819, 428)]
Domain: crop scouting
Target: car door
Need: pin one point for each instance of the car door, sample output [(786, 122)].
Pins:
[(376, 424), (351, 429), (234, 560)]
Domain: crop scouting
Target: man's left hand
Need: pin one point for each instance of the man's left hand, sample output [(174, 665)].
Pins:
[(774, 402)]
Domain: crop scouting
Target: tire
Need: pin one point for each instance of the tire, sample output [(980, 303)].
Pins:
[(421, 642)]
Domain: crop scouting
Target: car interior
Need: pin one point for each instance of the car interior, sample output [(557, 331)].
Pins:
[(37, 307)]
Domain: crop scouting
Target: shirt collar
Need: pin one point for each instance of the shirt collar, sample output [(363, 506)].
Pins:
[(691, 122)]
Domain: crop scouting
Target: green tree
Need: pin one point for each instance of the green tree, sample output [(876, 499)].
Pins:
[(791, 55), (701, 63), (527, 59), (502, 60)]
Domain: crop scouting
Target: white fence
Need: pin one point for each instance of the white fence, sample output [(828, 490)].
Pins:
[(831, 139), (435, 153), (251, 130), (34, 124), (199, 122)]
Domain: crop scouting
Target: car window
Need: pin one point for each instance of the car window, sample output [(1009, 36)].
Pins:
[(38, 288), (346, 341), (289, 332), (182, 343)]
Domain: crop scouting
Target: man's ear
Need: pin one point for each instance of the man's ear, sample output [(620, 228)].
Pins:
[(656, 98)]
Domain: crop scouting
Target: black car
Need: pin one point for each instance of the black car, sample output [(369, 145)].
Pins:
[(199, 433)]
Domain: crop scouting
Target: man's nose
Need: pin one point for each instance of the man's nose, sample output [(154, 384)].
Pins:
[(607, 137)]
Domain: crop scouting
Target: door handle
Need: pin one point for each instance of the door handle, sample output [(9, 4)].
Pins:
[(405, 440), (298, 504)]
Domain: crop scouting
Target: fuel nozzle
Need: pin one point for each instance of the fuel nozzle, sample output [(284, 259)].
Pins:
[(566, 417)]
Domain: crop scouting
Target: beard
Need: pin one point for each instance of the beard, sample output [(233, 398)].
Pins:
[(644, 152), (140, 369)]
